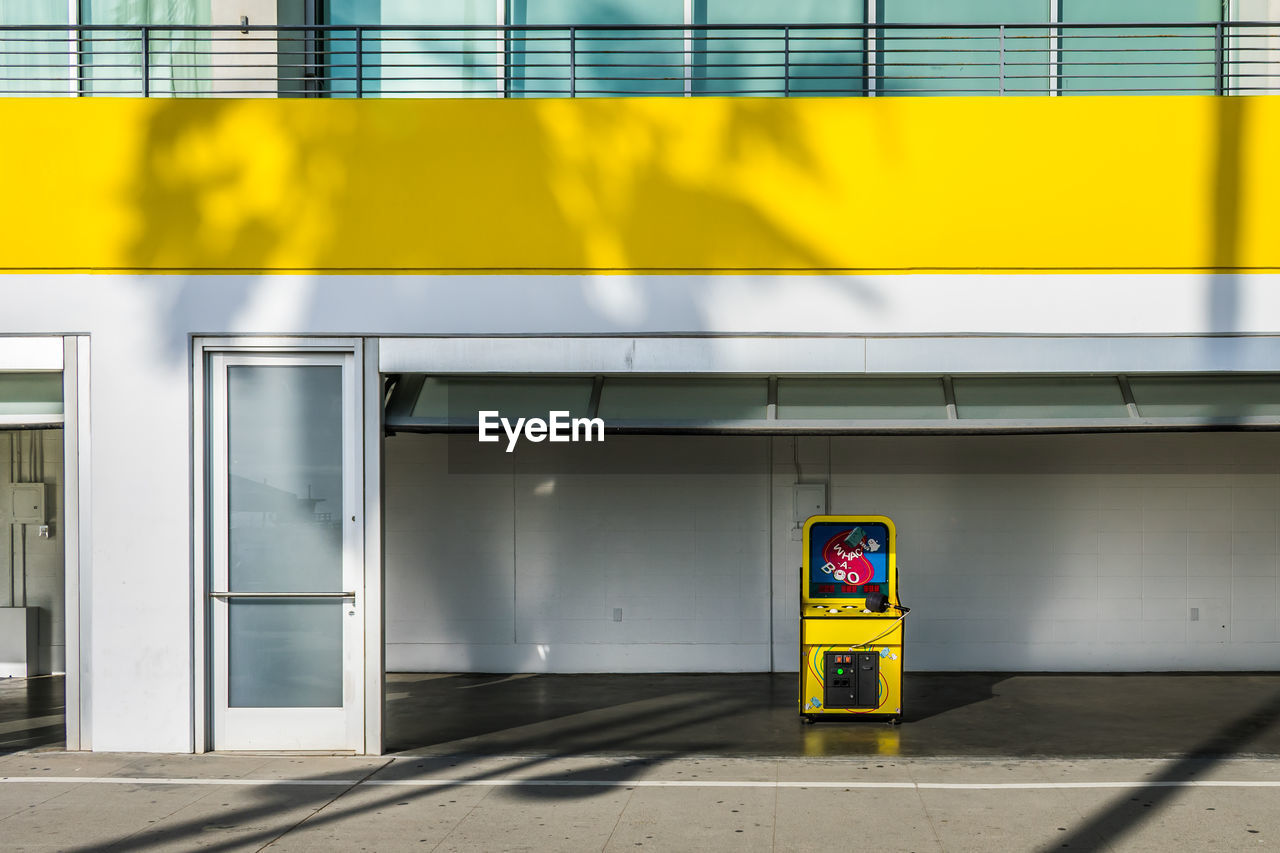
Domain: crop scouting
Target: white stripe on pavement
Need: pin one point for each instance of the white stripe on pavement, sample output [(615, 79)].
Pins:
[(638, 783)]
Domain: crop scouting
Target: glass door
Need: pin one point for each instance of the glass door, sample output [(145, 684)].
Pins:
[(285, 582)]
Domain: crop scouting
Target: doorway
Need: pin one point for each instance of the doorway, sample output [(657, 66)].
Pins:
[(285, 593)]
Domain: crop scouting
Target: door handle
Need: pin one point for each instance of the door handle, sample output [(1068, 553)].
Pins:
[(228, 594)]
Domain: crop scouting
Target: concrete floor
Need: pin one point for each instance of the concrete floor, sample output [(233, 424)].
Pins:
[(961, 715), (31, 713), (548, 763)]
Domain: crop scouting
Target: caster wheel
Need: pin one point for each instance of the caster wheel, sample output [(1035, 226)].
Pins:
[(806, 720)]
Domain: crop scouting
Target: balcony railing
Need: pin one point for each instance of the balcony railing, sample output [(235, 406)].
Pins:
[(599, 61)]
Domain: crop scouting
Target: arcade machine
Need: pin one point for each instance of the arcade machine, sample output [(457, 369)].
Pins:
[(850, 620)]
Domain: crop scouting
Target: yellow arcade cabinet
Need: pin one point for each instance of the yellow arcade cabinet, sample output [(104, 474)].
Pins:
[(851, 621)]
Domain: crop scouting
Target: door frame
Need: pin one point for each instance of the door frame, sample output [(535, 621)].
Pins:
[(66, 354), (368, 431)]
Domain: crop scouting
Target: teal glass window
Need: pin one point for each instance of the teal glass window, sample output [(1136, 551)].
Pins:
[(414, 63), (771, 61), (179, 61), (964, 61), (458, 400), (30, 394), (1164, 60), (35, 62), (861, 399), (34, 12), (597, 62), (669, 400), (284, 654), (1206, 397), (1074, 397)]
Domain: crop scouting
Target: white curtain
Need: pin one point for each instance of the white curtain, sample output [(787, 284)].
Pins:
[(35, 62), (178, 59)]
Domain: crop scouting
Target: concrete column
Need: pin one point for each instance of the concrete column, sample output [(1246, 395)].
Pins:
[(245, 65), (1255, 52)]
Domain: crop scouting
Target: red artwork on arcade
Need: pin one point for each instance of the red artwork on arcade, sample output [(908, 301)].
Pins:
[(847, 557)]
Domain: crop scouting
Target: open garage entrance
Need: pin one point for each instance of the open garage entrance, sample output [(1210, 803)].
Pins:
[(642, 594)]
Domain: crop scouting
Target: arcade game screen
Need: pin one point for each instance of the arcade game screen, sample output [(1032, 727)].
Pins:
[(848, 560)]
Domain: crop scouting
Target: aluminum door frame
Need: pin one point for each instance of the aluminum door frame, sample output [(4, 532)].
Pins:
[(368, 480)]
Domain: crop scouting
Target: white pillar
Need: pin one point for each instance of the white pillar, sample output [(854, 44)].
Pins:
[(1255, 51), (244, 65)]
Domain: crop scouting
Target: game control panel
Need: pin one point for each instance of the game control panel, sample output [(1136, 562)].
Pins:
[(851, 679)]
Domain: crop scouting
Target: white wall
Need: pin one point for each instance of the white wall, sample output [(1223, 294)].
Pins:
[(31, 568), (521, 569), (1017, 552), (137, 592), (1069, 552)]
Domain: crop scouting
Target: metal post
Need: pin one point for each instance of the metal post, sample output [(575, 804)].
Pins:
[(786, 61), (688, 57), (359, 62), (502, 38), (506, 58), (1219, 59), (73, 51), (1002, 59), (1054, 83), (573, 62), (873, 45), (146, 61), (308, 37)]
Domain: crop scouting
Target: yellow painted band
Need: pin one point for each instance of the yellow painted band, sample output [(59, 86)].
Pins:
[(848, 632), (639, 184)]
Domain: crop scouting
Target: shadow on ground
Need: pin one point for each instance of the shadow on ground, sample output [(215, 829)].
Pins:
[(964, 715), (31, 713)]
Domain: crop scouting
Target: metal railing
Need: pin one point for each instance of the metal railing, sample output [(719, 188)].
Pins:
[(517, 61)]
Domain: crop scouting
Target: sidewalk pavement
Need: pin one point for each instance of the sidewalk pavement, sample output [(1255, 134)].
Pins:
[(54, 800)]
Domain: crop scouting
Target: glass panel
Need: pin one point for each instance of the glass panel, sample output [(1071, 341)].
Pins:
[(416, 63), (606, 62), (924, 61), (30, 393), (284, 654), (36, 62), (767, 62), (178, 59), (1172, 61), (459, 400), (285, 448), (1074, 397), (683, 399), (1206, 396), (847, 560), (862, 399)]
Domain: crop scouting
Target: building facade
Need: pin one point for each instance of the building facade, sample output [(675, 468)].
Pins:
[(244, 341)]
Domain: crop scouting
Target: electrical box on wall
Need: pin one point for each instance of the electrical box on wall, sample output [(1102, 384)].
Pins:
[(809, 499), (27, 502)]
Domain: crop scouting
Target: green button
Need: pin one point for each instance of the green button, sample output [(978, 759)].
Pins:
[(839, 672)]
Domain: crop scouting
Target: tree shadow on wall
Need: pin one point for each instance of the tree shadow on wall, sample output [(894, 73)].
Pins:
[(257, 187)]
